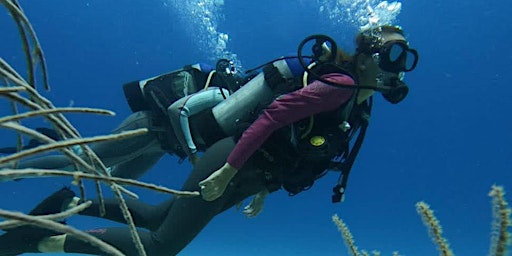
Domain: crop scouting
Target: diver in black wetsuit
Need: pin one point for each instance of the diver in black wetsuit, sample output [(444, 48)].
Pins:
[(32, 143), (149, 100), (287, 159)]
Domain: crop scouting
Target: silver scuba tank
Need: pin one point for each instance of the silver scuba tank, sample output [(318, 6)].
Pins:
[(251, 98)]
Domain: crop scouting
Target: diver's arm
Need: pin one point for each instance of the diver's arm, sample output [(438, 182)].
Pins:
[(315, 98), (312, 99), (256, 205)]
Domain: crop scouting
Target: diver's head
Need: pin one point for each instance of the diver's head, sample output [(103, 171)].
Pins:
[(382, 57), (226, 66)]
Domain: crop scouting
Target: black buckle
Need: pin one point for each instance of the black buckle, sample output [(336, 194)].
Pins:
[(339, 193)]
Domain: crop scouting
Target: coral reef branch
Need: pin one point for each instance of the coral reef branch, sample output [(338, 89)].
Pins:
[(34, 56), (70, 142), (38, 173), (26, 31), (500, 237), (347, 236), (434, 227), (53, 111)]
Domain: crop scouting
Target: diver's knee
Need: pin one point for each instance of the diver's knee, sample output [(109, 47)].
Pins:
[(140, 119)]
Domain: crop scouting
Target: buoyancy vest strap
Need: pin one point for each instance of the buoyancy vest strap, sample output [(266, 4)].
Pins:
[(346, 166), (347, 109), (341, 185)]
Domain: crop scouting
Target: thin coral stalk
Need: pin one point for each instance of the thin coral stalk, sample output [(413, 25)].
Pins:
[(7, 72), (347, 236), (53, 111), (10, 89), (37, 102), (435, 229), (57, 120), (39, 173), (128, 217), (41, 137), (26, 31), (500, 238), (68, 143)]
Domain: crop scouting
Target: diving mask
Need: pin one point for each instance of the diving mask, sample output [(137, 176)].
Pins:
[(396, 56)]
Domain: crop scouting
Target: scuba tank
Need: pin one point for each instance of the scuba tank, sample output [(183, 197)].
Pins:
[(233, 115), (253, 96)]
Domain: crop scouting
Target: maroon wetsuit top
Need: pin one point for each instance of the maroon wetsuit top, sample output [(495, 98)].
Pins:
[(315, 98)]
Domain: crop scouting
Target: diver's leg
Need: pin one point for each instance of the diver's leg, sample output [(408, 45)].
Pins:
[(120, 151), (185, 218), (135, 168), (144, 215), (188, 216), (110, 152), (34, 239), (26, 238), (120, 238)]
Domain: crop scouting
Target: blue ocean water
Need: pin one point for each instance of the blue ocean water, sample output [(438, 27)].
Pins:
[(446, 144)]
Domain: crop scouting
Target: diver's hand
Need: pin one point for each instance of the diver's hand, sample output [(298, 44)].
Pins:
[(256, 206), (214, 186)]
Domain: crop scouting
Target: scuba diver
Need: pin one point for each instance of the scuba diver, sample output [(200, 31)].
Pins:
[(311, 130), (32, 143), (156, 104)]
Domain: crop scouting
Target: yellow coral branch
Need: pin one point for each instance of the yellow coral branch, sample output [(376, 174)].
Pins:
[(435, 229), (500, 237), (347, 236)]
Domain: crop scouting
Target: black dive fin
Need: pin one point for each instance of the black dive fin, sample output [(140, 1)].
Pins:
[(8, 150), (54, 203), (49, 132), (25, 239)]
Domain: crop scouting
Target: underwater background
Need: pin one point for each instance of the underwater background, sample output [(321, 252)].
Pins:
[(446, 143)]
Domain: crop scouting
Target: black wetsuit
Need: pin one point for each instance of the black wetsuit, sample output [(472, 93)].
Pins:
[(176, 222), (172, 225), (168, 227), (32, 143)]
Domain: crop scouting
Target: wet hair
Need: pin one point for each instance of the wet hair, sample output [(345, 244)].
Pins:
[(370, 40), (345, 60), (343, 57)]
